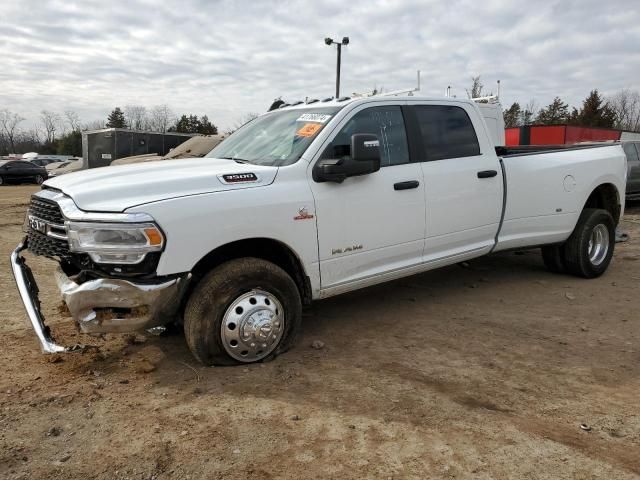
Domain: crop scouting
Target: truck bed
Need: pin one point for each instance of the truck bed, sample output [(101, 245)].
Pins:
[(546, 187)]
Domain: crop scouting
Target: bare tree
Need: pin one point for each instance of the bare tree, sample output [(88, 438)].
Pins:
[(241, 121), (530, 112), (161, 118), (94, 125), (136, 116), (626, 105), (33, 135), (27, 141), (51, 123), (9, 126), (476, 88), (73, 119)]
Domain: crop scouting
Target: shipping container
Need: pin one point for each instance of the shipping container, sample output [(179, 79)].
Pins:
[(101, 147), (559, 135)]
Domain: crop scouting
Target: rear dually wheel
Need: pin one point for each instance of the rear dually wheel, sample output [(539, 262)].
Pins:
[(589, 250)]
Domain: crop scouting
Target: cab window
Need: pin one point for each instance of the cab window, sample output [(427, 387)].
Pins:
[(385, 122), (447, 132)]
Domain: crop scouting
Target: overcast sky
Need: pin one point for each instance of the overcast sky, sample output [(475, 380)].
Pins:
[(225, 58)]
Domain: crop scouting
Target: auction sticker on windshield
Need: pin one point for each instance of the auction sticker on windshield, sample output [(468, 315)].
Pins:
[(314, 117), (309, 130)]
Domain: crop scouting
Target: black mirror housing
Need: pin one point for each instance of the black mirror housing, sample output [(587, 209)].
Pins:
[(365, 147), (364, 159)]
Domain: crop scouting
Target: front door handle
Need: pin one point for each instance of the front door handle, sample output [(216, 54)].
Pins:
[(406, 185), (487, 173)]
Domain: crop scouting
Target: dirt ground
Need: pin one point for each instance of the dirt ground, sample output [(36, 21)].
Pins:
[(479, 371)]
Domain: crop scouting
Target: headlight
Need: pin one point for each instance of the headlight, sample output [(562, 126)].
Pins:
[(115, 243)]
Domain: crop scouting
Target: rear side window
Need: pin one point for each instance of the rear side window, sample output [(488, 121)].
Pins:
[(631, 152), (447, 132), (385, 122)]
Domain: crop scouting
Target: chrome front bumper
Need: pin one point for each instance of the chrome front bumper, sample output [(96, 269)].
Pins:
[(99, 306)]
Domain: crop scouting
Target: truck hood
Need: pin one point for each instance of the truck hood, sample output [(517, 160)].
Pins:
[(116, 188)]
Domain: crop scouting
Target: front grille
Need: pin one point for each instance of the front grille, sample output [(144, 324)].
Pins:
[(46, 210), (38, 242)]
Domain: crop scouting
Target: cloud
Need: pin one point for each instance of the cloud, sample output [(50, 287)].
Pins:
[(226, 58)]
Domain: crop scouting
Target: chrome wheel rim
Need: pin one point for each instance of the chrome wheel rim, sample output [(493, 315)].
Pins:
[(39, 180), (598, 244), (252, 326)]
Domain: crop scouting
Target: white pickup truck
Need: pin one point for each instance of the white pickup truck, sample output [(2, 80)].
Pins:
[(302, 203)]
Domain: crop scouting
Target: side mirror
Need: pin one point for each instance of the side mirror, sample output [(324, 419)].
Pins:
[(364, 159)]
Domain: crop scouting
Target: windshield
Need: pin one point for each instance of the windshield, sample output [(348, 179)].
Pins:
[(276, 138)]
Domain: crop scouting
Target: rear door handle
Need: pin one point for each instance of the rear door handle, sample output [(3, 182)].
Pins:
[(487, 173), (406, 185)]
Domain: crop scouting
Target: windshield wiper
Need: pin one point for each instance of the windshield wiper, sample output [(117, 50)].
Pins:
[(236, 159)]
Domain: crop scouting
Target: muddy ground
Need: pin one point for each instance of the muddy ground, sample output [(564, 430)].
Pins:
[(480, 372)]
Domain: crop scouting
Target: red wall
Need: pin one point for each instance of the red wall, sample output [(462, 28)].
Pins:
[(585, 134), (558, 135), (512, 136), (547, 135)]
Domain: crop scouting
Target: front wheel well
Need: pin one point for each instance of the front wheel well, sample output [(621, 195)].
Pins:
[(265, 248), (606, 197)]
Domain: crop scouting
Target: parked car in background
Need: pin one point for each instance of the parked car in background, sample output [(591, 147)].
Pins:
[(43, 162), (19, 171), (632, 150), (60, 168)]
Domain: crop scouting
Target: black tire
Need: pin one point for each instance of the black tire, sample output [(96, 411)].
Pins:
[(2, 181), (212, 296), (553, 258), (39, 179), (576, 248)]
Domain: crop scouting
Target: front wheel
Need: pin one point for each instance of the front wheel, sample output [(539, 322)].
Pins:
[(245, 310), (589, 249), (39, 179)]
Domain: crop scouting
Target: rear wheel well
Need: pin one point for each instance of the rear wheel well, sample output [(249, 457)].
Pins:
[(265, 248), (606, 197)]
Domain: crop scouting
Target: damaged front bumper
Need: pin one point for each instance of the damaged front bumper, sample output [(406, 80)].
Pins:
[(102, 305)]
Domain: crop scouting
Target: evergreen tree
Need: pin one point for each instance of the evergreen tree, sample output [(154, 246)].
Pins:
[(512, 115), (193, 124), (116, 119), (182, 125), (595, 112), (70, 144), (206, 127), (556, 112)]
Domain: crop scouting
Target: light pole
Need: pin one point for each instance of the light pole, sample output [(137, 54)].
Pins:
[(330, 41)]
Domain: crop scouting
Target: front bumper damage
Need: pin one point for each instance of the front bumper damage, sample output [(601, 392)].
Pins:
[(99, 306)]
